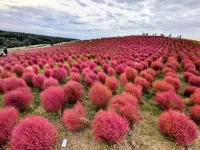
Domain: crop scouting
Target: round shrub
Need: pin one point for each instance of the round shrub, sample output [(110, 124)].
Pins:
[(75, 118), (119, 69), (131, 73), (99, 95), (127, 106), (187, 75), (74, 91), (176, 83), (38, 81), (18, 70), (59, 73), (111, 71), (75, 77), (123, 80), (102, 77), (195, 97), (142, 82), (14, 83), (47, 73), (177, 125), (109, 127), (48, 82), (28, 76), (194, 81), (169, 99), (112, 83), (147, 76), (189, 90), (157, 65), (8, 117), (162, 86), (19, 98), (33, 133), (134, 89), (90, 78), (195, 113), (53, 98)]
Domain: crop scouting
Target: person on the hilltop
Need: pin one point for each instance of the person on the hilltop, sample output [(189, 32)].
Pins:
[(5, 52)]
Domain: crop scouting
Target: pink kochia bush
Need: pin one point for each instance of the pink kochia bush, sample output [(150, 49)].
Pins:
[(134, 89), (194, 81), (18, 70), (53, 98), (169, 99), (8, 117), (176, 83), (177, 125), (109, 127), (142, 82), (162, 86), (112, 83), (33, 133), (131, 73), (127, 106), (20, 98), (50, 82), (195, 113), (38, 81), (28, 76), (195, 97), (75, 77), (74, 91), (75, 118), (13, 83), (99, 94), (123, 80), (59, 73), (90, 78)]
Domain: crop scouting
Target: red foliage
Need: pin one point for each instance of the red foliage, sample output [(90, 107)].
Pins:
[(75, 118), (111, 71), (48, 82), (28, 76), (147, 76), (194, 81), (47, 73), (19, 98), (177, 125), (33, 132), (195, 113), (109, 127), (2, 85), (102, 77), (157, 65), (131, 73), (162, 86), (99, 95), (169, 99), (75, 77), (90, 78), (187, 75), (123, 80), (176, 83), (112, 83), (59, 73), (18, 70), (74, 91), (53, 98), (189, 90), (133, 89), (142, 82), (127, 106), (8, 117), (195, 97), (119, 69), (14, 83), (38, 81)]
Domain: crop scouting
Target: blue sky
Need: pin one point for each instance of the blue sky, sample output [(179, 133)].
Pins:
[(87, 19)]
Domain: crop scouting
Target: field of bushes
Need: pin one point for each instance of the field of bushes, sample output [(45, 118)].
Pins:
[(123, 93)]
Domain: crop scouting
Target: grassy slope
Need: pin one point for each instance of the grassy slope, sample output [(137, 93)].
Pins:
[(145, 136)]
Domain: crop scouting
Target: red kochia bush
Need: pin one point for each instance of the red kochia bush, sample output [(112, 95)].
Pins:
[(189, 90), (50, 82), (131, 73), (194, 81), (195, 97), (38, 81), (123, 80), (33, 133), (169, 99), (162, 86), (157, 65), (109, 127), (102, 76), (75, 77), (8, 117), (28, 76), (75, 118), (112, 83), (111, 71), (53, 98), (18, 70), (2, 85), (47, 73), (195, 113), (74, 91), (177, 125), (142, 82), (99, 95), (133, 89), (147, 76), (90, 78), (127, 106), (119, 69), (20, 98), (59, 73), (176, 83), (13, 83)]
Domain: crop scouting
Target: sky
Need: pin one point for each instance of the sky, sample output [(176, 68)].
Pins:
[(89, 19)]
